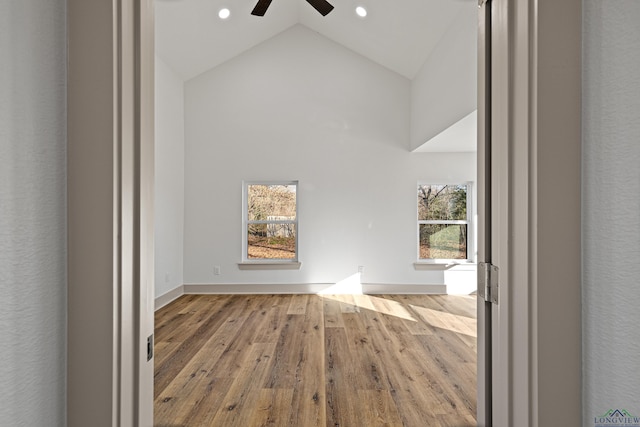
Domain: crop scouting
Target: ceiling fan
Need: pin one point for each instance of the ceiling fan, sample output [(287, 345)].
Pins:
[(322, 6)]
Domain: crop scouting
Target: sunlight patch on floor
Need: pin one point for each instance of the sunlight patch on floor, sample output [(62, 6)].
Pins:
[(373, 303), (452, 322)]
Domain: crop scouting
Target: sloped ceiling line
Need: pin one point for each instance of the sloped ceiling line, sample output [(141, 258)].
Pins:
[(398, 35)]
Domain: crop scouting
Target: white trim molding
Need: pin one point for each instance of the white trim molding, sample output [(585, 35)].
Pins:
[(169, 297), (269, 265), (297, 288), (445, 265), (307, 288)]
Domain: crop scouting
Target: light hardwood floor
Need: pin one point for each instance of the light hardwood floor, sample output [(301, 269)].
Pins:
[(310, 360)]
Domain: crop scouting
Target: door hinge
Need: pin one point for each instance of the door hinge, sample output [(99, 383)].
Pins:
[(488, 282)]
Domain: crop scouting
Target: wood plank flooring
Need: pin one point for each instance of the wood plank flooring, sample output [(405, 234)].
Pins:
[(311, 360)]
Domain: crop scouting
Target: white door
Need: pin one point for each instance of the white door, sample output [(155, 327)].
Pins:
[(493, 214)]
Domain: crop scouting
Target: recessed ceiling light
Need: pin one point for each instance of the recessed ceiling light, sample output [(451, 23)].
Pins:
[(361, 11), (224, 13)]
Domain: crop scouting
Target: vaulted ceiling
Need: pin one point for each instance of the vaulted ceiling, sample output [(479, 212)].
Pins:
[(397, 34)]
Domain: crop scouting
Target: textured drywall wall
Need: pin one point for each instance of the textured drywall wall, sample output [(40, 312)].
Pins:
[(300, 107), (611, 207), (169, 179), (32, 213), (445, 89)]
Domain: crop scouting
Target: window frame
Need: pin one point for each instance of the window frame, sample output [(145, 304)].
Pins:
[(246, 222), (468, 222)]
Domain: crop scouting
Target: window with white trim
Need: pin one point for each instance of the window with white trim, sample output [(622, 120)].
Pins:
[(270, 221), (444, 222)]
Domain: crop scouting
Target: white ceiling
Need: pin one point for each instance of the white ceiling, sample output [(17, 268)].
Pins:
[(398, 34)]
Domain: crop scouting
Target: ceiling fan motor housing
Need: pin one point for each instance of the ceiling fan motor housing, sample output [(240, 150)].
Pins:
[(322, 6)]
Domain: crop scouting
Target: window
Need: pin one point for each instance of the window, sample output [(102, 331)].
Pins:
[(443, 222), (270, 225)]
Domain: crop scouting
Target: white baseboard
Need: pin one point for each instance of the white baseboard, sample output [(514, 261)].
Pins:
[(168, 297), (312, 288), (292, 288)]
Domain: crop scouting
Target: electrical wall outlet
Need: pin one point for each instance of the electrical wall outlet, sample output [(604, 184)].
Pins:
[(361, 269), (216, 270)]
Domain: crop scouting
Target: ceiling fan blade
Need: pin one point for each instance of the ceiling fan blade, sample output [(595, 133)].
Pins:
[(322, 6), (261, 7)]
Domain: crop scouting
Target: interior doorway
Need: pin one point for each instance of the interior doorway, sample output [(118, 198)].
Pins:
[(163, 275), (547, 282)]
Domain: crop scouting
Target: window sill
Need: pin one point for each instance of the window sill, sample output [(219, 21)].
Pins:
[(443, 264), (269, 265)]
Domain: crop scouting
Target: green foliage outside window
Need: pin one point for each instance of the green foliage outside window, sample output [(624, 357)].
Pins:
[(442, 217)]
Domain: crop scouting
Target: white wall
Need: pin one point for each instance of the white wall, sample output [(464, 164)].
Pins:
[(169, 180), (301, 107), (445, 89), (32, 213), (611, 207)]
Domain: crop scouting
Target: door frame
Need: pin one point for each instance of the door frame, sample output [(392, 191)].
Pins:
[(110, 210), (538, 377), (110, 179), (553, 124)]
